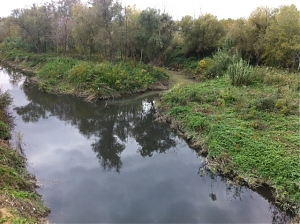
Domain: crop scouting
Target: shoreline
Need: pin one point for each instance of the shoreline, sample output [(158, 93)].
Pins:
[(238, 141), (88, 95), (218, 166), (19, 200)]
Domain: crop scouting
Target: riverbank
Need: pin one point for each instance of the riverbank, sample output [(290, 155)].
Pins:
[(19, 200), (86, 79), (249, 133)]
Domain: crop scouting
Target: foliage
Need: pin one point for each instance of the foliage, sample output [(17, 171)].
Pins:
[(66, 74), (112, 32), (240, 73), (201, 36), (154, 34), (80, 74), (57, 68), (283, 38), (34, 26), (225, 63), (246, 130)]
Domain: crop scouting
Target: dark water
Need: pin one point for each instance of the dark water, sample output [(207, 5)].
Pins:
[(110, 162)]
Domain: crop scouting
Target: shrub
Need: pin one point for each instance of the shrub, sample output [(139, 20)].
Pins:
[(81, 75), (240, 73), (205, 67), (221, 60)]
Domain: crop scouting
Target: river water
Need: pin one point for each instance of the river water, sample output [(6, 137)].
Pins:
[(111, 162)]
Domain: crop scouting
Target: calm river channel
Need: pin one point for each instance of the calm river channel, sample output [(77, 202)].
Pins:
[(111, 162)]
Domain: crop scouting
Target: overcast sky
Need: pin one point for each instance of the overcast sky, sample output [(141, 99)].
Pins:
[(177, 8)]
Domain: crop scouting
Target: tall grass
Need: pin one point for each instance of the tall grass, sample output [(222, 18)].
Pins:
[(240, 73)]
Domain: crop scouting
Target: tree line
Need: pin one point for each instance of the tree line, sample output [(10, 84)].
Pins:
[(112, 31)]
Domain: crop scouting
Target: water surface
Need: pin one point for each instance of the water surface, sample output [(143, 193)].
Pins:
[(111, 162)]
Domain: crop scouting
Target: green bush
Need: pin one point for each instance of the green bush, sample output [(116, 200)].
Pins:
[(4, 132), (221, 61), (81, 75), (240, 73)]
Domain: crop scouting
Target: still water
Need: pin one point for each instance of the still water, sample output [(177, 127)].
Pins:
[(111, 162)]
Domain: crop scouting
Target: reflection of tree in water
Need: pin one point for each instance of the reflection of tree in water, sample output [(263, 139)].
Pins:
[(236, 192), (108, 148), (152, 136), (110, 126), (14, 76), (32, 112)]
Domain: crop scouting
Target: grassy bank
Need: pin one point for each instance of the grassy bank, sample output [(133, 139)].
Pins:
[(249, 132), (89, 79), (19, 201)]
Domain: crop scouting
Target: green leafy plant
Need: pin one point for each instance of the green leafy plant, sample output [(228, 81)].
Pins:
[(240, 73)]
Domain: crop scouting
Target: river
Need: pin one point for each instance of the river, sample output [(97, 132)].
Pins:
[(111, 162)]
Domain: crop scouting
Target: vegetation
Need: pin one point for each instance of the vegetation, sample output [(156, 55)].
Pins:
[(114, 32), (86, 78), (19, 200), (251, 133)]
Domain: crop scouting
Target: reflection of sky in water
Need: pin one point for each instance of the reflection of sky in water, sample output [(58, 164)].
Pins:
[(161, 186)]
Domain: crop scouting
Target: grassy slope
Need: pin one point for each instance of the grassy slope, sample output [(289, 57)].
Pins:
[(91, 80), (250, 133), (19, 201)]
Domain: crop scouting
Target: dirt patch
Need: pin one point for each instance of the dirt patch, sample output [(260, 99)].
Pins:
[(159, 85), (4, 213)]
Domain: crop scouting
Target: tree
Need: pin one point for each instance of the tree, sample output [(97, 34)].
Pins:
[(258, 23), (201, 36), (84, 29), (238, 34), (35, 26), (282, 39), (8, 30), (62, 23), (107, 13), (154, 34)]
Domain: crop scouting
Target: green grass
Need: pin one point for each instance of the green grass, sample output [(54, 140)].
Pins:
[(251, 132)]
